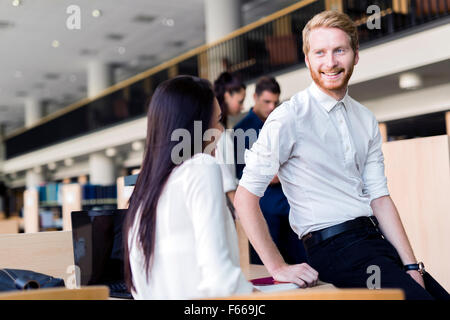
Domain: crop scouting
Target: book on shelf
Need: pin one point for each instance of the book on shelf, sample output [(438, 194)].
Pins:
[(50, 194), (99, 195)]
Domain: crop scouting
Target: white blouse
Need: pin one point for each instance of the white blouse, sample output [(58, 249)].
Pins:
[(196, 252), (225, 157)]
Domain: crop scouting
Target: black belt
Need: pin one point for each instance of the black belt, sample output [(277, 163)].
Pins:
[(318, 236)]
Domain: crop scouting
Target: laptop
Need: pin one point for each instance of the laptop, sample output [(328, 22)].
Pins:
[(97, 249)]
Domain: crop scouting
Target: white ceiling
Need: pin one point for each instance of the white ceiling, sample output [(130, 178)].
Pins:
[(27, 57)]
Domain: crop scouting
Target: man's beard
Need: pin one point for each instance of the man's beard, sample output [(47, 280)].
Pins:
[(332, 86)]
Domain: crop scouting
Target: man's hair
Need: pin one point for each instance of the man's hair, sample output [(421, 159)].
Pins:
[(331, 19), (267, 84)]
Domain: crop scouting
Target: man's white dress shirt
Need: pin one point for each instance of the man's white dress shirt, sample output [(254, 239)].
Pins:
[(328, 157), (196, 248)]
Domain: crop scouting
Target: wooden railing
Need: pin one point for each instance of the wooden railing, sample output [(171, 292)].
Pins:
[(269, 45)]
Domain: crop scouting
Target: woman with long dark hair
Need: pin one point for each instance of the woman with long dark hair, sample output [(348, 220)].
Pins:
[(230, 93), (180, 242)]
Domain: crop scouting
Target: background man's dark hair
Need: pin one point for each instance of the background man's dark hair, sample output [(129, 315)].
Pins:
[(267, 84)]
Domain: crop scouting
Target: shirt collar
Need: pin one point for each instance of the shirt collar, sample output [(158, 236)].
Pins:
[(325, 100)]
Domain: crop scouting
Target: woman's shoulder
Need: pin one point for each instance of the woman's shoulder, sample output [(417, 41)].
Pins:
[(200, 171), (200, 164), (202, 159)]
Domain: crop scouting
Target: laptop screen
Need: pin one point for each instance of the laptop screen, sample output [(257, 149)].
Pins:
[(97, 245)]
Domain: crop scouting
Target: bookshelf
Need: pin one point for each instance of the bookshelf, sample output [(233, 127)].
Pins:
[(125, 187), (49, 207)]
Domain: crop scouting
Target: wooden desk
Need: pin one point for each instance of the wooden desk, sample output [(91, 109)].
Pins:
[(49, 253), (84, 293), (256, 271), (9, 226), (323, 291)]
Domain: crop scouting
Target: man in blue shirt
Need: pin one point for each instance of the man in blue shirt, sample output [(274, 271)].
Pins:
[(274, 204)]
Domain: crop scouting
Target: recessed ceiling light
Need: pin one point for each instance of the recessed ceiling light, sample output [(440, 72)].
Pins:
[(67, 97), (117, 64), (177, 43), (72, 78), (144, 18), (16, 3), (121, 50), (51, 76), (55, 43), (51, 165), (137, 145), (410, 81), (115, 36), (145, 57), (88, 52), (168, 22), (134, 63), (68, 162), (111, 152), (96, 13)]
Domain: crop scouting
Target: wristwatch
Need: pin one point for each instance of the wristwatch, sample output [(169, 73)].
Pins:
[(415, 266)]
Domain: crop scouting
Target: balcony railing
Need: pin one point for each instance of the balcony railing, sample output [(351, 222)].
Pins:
[(269, 45)]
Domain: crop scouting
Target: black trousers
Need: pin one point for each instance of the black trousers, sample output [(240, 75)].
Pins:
[(347, 261)]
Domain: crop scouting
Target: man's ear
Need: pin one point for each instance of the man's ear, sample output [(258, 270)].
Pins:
[(307, 61), (226, 96), (356, 56)]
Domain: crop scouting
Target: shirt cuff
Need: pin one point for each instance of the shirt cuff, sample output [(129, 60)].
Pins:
[(253, 185), (378, 193)]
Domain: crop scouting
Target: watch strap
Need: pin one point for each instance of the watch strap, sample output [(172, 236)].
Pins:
[(415, 266)]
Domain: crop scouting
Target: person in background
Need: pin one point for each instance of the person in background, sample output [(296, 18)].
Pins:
[(274, 204), (180, 241), (230, 93)]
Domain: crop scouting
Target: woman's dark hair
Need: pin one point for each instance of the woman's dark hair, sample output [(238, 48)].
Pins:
[(226, 82), (176, 104)]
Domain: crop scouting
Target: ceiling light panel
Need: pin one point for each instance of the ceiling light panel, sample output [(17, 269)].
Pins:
[(115, 36), (144, 18)]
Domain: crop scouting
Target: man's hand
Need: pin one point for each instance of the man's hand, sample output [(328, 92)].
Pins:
[(301, 274), (416, 276)]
